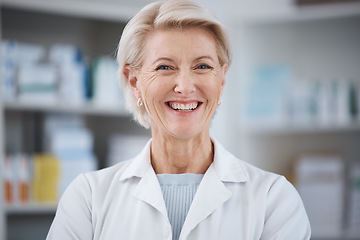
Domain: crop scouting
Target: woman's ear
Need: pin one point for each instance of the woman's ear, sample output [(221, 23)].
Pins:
[(131, 76)]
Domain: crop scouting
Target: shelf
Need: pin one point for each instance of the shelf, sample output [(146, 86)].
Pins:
[(86, 109), (299, 129), (31, 208), (106, 10), (245, 11), (292, 13), (344, 236)]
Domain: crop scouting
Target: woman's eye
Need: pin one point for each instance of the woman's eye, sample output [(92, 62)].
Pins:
[(163, 67), (203, 66)]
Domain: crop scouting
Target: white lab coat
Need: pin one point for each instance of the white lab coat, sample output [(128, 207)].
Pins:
[(234, 201)]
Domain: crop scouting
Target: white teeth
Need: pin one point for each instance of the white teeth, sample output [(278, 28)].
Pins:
[(184, 107)]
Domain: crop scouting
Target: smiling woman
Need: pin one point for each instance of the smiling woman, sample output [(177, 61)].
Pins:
[(173, 57), (182, 16), (181, 88)]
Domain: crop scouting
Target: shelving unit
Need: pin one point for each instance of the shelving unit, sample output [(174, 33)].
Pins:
[(286, 12), (316, 42), (96, 27), (84, 109), (300, 130), (318, 48), (33, 219), (2, 199), (31, 208)]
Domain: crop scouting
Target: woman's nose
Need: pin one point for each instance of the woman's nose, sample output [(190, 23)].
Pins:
[(184, 84)]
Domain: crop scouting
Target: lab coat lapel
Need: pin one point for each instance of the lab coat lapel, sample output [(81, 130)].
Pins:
[(149, 191), (211, 194)]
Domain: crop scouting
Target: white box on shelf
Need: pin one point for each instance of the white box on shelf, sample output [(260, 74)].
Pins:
[(70, 138), (64, 54), (66, 132), (303, 102), (72, 71), (327, 102), (321, 184), (353, 221), (265, 102), (8, 68), (72, 86), (37, 83), (25, 53), (107, 90), (13, 54), (343, 102)]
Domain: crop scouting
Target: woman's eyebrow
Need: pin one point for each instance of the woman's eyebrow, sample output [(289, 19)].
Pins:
[(163, 59), (204, 57)]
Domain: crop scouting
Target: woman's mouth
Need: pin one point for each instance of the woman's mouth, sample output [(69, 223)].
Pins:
[(184, 107)]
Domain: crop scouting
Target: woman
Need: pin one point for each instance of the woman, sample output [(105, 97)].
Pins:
[(173, 57)]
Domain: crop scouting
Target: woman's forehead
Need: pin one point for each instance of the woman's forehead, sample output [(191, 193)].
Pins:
[(175, 43)]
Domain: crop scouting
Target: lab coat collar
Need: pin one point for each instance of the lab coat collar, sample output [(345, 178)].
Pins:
[(145, 190), (227, 166), (140, 165), (211, 194)]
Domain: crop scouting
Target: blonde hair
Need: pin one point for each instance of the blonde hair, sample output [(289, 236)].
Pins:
[(178, 14)]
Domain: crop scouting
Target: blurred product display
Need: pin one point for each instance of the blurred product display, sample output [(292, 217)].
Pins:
[(276, 97), (43, 177), (67, 138), (58, 75)]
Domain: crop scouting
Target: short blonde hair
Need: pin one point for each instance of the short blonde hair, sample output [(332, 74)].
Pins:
[(178, 14)]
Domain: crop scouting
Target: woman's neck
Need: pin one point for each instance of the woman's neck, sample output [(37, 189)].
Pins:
[(171, 155)]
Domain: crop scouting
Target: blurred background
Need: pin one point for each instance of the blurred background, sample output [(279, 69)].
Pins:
[(291, 104)]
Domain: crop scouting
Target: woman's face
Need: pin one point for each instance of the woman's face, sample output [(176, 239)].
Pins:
[(181, 81)]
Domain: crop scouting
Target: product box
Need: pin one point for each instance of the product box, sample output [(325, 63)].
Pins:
[(37, 83), (321, 184)]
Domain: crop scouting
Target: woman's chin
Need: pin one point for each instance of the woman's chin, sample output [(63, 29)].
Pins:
[(184, 132)]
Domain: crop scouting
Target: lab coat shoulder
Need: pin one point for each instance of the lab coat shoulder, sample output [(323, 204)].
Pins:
[(70, 214), (283, 210), (74, 217), (262, 205), (97, 180), (285, 215)]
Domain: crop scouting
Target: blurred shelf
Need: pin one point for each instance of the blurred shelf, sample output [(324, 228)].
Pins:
[(31, 208), (105, 10), (299, 129), (243, 11), (293, 13), (344, 236), (86, 109), (352, 235)]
